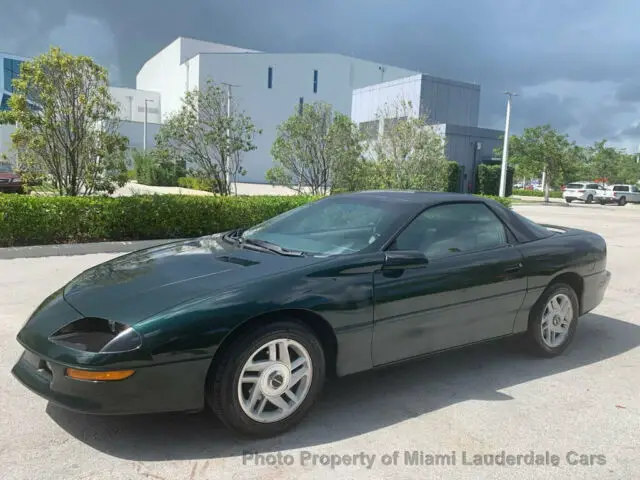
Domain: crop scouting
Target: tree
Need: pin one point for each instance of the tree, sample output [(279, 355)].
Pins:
[(201, 133), (410, 152), (543, 151), (66, 124), (315, 149)]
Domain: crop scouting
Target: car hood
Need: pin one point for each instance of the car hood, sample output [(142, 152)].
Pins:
[(133, 287)]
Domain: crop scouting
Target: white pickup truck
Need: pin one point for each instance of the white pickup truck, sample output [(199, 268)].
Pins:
[(620, 194)]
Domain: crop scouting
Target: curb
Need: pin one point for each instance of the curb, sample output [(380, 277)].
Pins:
[(73, 249)]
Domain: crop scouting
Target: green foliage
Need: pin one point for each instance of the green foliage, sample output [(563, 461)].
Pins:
[(196, 183), (453, 177), (488, 179), (521, 192), (66, 124), (33, 220), (203, 134), (156, 168), (506, 201), (316, 148), (410, 152)]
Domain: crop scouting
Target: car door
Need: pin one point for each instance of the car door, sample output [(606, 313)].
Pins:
[(470, 290)]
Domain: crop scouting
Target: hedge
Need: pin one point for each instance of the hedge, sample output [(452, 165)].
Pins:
[(488, 179), (453, 177), (535, 193), (35, 220), (195, 183)]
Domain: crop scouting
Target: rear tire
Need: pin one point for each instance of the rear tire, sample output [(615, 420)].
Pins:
[(567, 200), (622, 202), (285, 361), (553, 321)]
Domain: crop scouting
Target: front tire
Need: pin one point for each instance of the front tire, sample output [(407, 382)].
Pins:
[(568, 200), (589, 199), (267, 380), (553, 321)]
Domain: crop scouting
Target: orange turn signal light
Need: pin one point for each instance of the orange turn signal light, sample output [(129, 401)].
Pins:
[(98, 376)]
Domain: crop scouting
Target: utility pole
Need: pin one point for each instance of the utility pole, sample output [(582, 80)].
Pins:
[(505, 147), (227, 157), (144, 133)]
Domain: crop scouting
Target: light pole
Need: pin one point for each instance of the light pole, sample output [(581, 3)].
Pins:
[(144, 133), (228, 155), (505, 146)]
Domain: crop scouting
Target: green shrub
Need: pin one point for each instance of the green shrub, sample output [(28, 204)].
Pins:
[(535, 193), (196, 183), (453, 182), (34, 220), (488, 180), (131, 174), (156, 168), (506, 201)]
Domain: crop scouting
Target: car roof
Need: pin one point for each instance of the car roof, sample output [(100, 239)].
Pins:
[(414, 196)]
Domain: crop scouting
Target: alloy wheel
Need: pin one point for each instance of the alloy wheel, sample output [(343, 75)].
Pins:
[(556, 320), (275, 380)]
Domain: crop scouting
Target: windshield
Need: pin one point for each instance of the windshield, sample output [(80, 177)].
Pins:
[(332, 226), (4, 168)]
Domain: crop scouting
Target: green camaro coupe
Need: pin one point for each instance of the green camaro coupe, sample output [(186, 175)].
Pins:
[(251, 322)]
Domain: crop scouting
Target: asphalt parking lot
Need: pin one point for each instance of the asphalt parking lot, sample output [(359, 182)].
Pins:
[(485, 400)]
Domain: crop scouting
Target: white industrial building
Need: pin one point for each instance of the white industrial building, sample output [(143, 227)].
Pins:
[(270, 87)]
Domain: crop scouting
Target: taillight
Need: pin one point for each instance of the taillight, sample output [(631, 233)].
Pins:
[(615, 193), (580, 191)]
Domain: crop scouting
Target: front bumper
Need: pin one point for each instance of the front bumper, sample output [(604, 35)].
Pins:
[(169, 387), (595, 286)]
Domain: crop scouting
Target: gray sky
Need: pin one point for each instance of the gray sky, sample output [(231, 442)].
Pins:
[(574, 62)]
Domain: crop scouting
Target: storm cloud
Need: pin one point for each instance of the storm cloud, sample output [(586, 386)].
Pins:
[(571, 61)]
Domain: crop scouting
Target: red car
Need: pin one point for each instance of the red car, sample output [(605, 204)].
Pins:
[(10, 182)]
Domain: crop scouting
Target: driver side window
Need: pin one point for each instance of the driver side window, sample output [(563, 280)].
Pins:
[(453, 229)]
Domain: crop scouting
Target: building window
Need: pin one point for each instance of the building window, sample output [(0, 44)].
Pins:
[(270, 78), (315, 81), (370, 129), (11, 70), (4, 103), (301, 105)]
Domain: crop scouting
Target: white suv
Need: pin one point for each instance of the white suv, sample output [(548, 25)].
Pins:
[(584, 191)]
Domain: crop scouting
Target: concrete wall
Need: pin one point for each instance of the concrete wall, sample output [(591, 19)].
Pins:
[(450, 101), (164, 73), (470, 146), (292, 80), (132, 102)]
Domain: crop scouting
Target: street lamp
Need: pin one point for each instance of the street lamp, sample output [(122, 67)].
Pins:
[(505, 147), (144, 133)]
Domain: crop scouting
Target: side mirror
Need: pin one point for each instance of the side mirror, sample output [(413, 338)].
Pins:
[(403, 259)]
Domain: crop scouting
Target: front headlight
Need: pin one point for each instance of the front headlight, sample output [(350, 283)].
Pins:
[(14, 180), (97, 335)]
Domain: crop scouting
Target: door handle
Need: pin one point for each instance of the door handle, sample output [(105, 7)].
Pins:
[(513, 268)]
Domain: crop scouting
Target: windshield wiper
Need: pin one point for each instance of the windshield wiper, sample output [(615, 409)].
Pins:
[(234, 236), (272, 247)]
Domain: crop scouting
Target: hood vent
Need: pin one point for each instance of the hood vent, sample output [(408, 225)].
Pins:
[(238, 261)]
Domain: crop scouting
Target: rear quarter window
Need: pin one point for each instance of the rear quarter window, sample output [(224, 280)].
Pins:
[(620, 188), (575, 186)]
